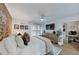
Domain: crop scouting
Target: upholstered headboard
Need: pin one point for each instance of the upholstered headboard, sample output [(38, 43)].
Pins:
[(5, 22)]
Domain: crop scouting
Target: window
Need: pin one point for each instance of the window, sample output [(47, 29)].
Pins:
[(36, 30)]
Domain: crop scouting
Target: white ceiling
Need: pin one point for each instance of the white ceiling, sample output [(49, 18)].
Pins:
[(31, 12)]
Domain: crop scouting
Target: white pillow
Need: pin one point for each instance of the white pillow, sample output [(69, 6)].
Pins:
[(20, 42), (11, 44), (3, 50)]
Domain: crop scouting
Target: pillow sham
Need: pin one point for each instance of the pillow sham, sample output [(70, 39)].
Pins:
[(20, 42)]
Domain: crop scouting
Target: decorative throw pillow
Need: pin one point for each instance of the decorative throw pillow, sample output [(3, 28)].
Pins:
[(11, 44), (26, 38), (20, 42), (3, 50), (19, 34)]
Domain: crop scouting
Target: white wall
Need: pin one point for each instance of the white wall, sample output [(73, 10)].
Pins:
[(59, 22)]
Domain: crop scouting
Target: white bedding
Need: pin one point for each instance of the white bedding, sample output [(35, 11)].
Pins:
[(39, 46), (50, 48), (35, 47)]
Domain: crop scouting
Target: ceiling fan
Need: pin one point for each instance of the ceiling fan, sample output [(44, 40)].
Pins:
[(44, 17)]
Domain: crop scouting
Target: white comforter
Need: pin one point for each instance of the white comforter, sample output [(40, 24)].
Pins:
[(50, 48), (35, 47), (39, 46)]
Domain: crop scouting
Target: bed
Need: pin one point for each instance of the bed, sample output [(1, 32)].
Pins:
[(37, 46)]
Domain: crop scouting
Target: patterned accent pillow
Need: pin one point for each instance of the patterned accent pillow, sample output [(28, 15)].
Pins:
[(26, 38)]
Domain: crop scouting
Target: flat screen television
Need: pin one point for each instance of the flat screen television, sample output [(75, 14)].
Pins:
[(50, 26)]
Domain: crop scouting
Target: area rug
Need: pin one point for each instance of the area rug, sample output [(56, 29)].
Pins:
[(57, 50)]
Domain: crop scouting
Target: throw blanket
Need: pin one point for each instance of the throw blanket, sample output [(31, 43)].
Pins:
[(50, 48)]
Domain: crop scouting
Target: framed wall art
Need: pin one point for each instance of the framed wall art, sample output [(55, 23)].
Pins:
[(22, 27), (26, 27), (16, 26), (50, 26)]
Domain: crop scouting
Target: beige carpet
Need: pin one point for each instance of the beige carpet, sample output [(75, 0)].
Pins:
[(70, 49)]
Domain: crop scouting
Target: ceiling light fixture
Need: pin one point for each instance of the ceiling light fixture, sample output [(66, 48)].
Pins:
[(42, 18)]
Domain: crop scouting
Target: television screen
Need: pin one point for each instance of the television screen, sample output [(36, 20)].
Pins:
[(50, 26)]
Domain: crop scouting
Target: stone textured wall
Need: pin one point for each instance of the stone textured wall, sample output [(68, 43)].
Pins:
[(6, 26)]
